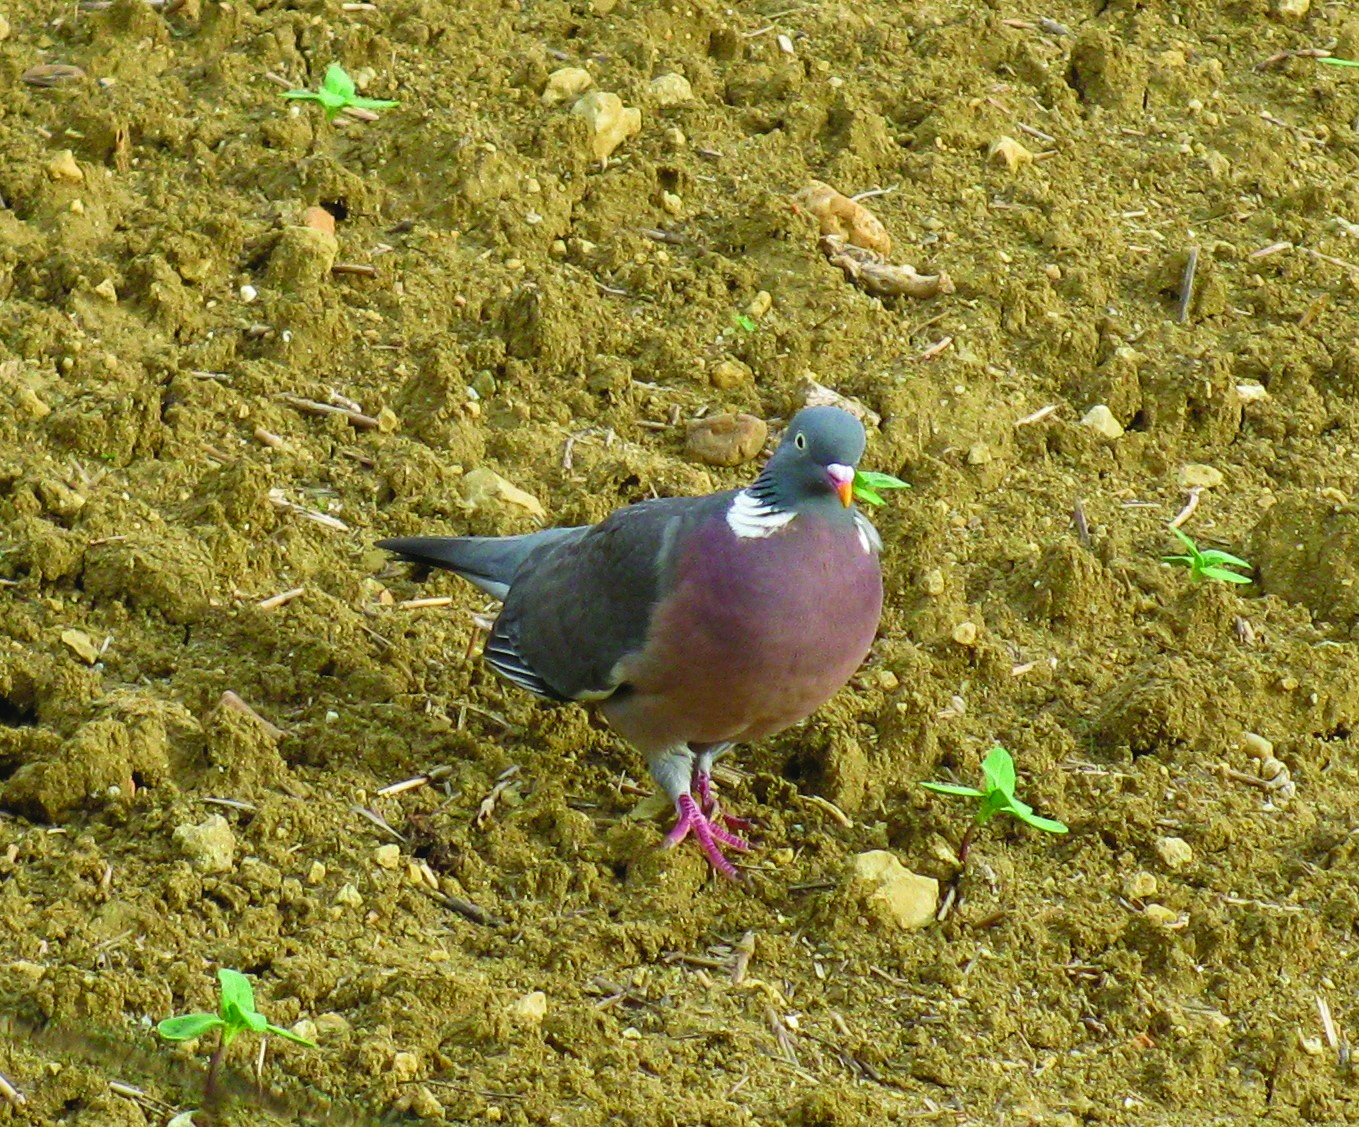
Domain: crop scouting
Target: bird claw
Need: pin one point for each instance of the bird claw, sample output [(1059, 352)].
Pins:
[(710, 837), (707, 801)]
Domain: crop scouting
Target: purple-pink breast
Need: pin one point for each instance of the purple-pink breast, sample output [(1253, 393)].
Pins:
[(756, 635)]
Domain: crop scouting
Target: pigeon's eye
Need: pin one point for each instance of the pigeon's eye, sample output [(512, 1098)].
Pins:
[(800, 441)]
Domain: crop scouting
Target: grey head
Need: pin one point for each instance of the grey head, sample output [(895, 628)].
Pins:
[(812, 471)]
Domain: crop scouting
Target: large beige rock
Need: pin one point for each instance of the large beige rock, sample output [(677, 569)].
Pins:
[(726, 440), (210, 846), (893, 893), (611, 123)]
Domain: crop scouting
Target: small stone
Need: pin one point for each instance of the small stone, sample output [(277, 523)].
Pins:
[(1162, 916), (530, 1009), (316, 874), (760, 304), (484, 489), (1007, 153), (726, 440), (387, 856), (333, 1026), (306, 1028), (63, 167), (1139, 886), (979, 454), (1101, 420), (82, 645), (1256, 746), (892, 892), (887, 680), (727, 374), (388, 422), (932, 582), (965, 633), (4, 29), (1175, 853), (301, 260), (1195, 475), (248, 293), (349, 896), (1251, 392), (424, 1104), (1291, 9), (566, 84), (107, 291), (670, 90), (210, 846), (30, 401), (673, 203), (319, 219), (611, 123), (404, 1067)]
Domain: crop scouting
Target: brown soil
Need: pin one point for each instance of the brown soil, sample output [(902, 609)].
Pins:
[(156, 487)]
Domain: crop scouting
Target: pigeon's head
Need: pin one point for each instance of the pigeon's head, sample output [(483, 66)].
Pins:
[(814, 464)]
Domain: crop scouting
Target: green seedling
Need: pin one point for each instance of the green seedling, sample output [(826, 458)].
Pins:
[(746, 322), (1211, 564), (867, 483), (1339, 62), (998, 776), (338, 93), (235, 1014)]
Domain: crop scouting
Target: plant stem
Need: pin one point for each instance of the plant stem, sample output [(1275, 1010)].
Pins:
[(210, 1094), (965, 846)]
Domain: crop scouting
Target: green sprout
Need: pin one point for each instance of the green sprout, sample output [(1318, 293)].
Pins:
[(1210, 564), (1339, 62), (998, 775), (235, 1014), (746, 322), (338, 93), (867, 483)]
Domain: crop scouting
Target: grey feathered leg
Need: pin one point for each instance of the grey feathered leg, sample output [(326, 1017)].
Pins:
[(673, 768)]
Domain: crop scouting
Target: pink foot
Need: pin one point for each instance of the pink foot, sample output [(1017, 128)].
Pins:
[(709, 836), (707, 800)]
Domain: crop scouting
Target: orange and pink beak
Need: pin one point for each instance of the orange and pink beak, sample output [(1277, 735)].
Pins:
[(842, 478)]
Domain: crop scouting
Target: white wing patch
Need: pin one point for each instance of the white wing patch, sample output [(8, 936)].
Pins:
[(869, 539), (752, 519), (505, 660)]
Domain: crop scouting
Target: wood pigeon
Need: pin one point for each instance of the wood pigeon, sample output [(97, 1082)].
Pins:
[(692, 623)]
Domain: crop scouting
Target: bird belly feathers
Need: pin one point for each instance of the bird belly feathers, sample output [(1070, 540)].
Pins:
[(758, 634)]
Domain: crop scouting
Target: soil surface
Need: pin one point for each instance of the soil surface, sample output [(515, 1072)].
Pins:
[(208, 674)]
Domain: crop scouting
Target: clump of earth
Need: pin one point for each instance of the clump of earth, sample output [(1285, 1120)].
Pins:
[(569, 272)]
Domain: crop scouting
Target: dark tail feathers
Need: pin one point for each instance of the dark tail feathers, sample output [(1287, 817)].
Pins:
[(488, 562)]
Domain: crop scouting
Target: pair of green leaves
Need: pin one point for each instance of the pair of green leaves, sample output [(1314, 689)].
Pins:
[(998, 776), (867, 483), (236, 1014), (338, 93), (1210, 564)]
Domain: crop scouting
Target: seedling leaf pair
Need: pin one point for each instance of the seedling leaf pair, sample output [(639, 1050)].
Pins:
[(1209, 564), (867, 483), (236, 1014), (337, 93), (999, 779)]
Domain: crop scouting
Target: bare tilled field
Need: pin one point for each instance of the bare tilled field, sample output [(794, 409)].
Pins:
[(1100, 278)]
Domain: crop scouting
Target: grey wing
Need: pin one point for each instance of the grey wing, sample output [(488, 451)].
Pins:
[(580, 606)]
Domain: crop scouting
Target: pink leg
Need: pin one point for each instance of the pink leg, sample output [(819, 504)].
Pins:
[(709, 836), (707, 800)]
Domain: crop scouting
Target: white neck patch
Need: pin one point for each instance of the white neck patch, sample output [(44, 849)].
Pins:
[(753, 519)]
